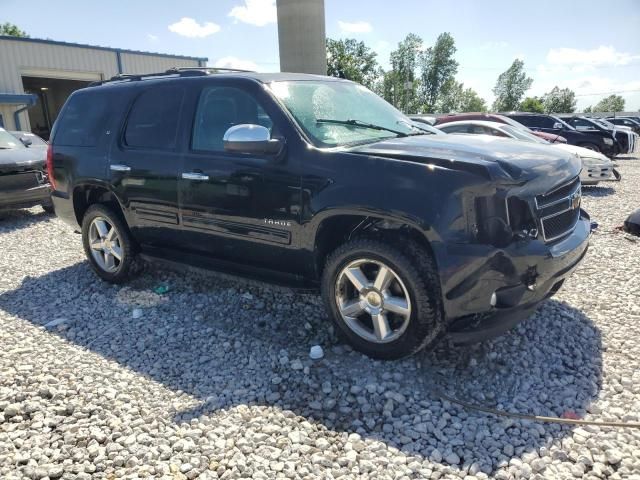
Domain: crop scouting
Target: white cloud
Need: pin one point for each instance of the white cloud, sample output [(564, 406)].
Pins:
[(597, 57), (233, 62), (152, 38), (355, 27), (255, 12), (188, 27)]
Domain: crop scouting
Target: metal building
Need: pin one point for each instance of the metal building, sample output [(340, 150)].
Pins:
[(37, 76)]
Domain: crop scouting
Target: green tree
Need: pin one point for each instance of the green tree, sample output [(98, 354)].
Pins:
[(589, 109), (560, 101), (352, 60), (437, 71), (455, 98), (401, 84), (532, 104), (612, 103), (511, 87), (449, 98), (472, 102), (12, 30)]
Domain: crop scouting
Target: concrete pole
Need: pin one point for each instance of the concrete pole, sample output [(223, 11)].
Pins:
[(301, 35)]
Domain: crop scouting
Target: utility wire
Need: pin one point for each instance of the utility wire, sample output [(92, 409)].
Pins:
[(439, 393)]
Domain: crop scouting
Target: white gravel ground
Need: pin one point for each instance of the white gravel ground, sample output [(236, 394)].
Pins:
[(214, 379)]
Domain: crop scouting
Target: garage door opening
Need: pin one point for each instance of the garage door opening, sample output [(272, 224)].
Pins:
[(52, 93)]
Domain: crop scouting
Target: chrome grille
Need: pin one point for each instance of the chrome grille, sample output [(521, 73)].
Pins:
[(559, 210)]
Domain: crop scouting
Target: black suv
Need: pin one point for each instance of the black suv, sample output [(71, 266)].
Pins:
[(317, 182), (622, 138), (598, 140)]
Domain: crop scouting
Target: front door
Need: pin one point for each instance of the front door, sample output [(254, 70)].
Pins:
[(237, 206), (145, 164)]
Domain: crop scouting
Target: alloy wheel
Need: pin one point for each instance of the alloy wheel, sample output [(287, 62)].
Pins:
[(105, 244), (372, 300)]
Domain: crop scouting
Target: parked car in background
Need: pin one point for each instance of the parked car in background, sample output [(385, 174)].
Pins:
[(32, 140), (494, 117), (596, 140), (23, 182), (624, 137), (626, 122), (316, 181), (595, 166)]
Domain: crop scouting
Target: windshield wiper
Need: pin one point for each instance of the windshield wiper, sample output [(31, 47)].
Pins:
[(361, 124)]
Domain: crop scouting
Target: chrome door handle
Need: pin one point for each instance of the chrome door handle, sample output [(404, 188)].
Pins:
[(195, 176), (120, 168)]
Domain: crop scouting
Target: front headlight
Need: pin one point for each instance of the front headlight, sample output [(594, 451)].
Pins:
[(608, 141)]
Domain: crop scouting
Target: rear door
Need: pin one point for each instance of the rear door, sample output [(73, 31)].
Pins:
[(237, 206), (145, 163)]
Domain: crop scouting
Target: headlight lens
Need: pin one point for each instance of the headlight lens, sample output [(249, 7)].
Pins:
[(608, 141)]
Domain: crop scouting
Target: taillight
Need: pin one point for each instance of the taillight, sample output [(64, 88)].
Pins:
[(52, 180)]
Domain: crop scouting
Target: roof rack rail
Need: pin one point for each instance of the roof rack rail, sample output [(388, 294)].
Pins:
[(181, 71), (213, 69)]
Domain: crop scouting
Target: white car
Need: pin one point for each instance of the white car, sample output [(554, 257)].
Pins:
[(595, 166)]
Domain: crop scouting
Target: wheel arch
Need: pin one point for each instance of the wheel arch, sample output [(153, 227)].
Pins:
[(335, 227), (90, 193)]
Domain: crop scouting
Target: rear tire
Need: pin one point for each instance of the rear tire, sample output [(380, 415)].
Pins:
[(108, 244), (384, 299)]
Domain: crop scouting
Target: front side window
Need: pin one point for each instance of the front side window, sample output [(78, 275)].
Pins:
[(582, 124), (451, 129), (219, 109), (333, 113), (153, 121), (8, 141)]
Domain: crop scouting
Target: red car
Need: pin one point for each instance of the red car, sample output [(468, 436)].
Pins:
[(493, 117)]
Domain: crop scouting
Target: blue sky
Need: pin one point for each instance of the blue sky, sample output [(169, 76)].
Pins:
[(591, 46)]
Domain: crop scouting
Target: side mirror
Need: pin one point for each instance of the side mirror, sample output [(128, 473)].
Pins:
[(557, 126), (249, 138), (26, 142)]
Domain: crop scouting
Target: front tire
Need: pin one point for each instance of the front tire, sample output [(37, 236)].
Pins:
[(107, 244), (386, 300)]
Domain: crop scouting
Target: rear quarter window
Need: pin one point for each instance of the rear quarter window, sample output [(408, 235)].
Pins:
[(83, 120)]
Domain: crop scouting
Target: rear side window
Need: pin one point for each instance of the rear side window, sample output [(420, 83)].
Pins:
[(153, 120), (83, 120)]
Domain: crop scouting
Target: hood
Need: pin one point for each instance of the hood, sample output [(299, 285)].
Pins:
[(583, 152), (16, 159), (521, 161)]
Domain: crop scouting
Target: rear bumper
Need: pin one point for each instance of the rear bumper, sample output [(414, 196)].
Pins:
[(30, 197), (63, 207), (507, 285)]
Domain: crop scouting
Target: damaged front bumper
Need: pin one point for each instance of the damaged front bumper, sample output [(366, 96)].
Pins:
[(492, 289), (24, 189)]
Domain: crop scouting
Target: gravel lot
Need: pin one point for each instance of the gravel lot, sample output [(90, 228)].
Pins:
[(214, 379)]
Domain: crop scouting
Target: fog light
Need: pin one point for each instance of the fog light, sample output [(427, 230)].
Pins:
[(494, 299)]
